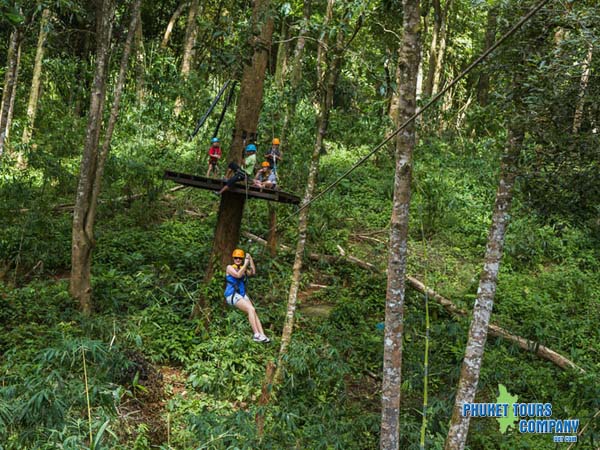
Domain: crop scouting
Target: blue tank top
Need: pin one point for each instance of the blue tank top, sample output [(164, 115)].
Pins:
[(235, 285)]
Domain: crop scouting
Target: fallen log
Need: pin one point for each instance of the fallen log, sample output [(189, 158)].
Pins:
[(528, 345), (531, 346)]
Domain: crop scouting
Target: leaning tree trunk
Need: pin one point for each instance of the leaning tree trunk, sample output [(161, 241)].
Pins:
[(188, 50), (469, 375), (227, 231), (35, 80), (328, 80), (93, 161), (9, 82), (406, 78), (171, 24), (327, 75)]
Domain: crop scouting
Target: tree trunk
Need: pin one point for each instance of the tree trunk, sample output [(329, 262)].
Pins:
[(171, 24), (13, 95), (92, 163), (9, 82), (35, 80), (188, 50), (80, 286), (585, 78), (140, 60), (327, 74), (231, 208), (441, 52), (433, 48), (406, 77), (469, 376), (281, 65), (483, 85)]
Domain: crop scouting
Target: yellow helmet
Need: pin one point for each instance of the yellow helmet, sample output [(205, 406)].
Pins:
[(276, 141), (265, 164), (238, 253)]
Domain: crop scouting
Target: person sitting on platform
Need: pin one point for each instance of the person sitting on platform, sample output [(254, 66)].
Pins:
[(265, 177), (214, 154), (235, 291), (241, 173)]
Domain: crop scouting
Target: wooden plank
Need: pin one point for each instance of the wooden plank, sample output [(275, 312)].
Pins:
[(213, 184)]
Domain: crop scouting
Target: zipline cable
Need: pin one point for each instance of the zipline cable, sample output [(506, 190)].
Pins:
[(475, 63)]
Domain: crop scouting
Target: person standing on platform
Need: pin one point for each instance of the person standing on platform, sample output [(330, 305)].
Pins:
[(214, 155)]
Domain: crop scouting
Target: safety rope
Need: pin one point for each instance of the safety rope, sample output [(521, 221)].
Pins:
[(227, 101), (210, 109)]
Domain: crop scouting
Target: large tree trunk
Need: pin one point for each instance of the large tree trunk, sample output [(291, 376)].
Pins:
[(406, 77), (35, 80), (188, 50), (92, 163), (80, 286), (227, 232), (469, 376), (171, 24), (9, 82)]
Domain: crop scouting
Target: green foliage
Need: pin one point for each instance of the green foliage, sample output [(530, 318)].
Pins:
[(151, 252)]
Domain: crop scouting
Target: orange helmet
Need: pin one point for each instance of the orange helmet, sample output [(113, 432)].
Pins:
[(276, 141), (238, 253), (265, 164)]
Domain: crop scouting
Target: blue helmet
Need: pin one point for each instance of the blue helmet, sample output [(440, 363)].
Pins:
[(213, 140), (250, 148)]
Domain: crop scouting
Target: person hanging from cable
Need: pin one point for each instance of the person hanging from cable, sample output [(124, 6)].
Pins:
[(265, 177), (235, 291), (214, 154), (273, 156), (241, 173)]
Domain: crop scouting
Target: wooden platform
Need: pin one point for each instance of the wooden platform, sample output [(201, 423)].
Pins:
[(213, 184)]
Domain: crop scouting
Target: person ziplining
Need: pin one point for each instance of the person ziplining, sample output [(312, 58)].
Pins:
[(235, 291)]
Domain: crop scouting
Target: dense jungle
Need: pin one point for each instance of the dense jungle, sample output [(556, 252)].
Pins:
[(429, 238)]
